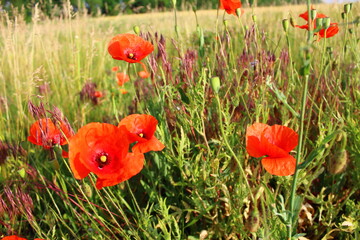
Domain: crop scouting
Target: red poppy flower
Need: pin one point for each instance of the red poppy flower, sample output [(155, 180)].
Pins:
[(122, 78), (274, 142), (45, 133), (98, 94), (230, 6), (129, 47), (102, 148), (331, 31), (13, 237), (142, 128), (143, 74)]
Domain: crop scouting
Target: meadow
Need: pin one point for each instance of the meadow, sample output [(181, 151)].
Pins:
[(212, 75)]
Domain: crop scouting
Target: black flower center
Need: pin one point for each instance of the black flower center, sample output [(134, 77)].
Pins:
[(102, 160), (131, 56)]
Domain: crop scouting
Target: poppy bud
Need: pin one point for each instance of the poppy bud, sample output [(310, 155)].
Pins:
[(87, 190), (285, 24), (292, 22), (226, 23), (347, 8), (136, 29), (326, 23), (343, 15), (319, 23), (338, 162), (254, 18), (252, 224), (313, 14), (238, 12), (215, 84)]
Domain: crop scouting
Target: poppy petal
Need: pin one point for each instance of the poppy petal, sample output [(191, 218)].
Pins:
[(283, 166), (253, 147), (132, 165), (253, 135), (79, 170), (282, 136), (151, 145)]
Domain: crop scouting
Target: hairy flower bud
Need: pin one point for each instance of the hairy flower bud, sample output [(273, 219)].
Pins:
[(338, 162), (285, 24), (215, 84), (313, 14), (136, 29), (347, 8), (326, 23)]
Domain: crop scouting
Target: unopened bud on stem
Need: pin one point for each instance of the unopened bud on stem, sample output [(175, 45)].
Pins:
[(285, 24), (215, 84), (313, 14)]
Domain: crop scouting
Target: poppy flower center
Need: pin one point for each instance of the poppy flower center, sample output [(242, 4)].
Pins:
[(131, 56), (102, 160), (141, 135)]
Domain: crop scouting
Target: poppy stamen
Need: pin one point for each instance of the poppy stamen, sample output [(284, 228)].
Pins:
[(131, 56), (103, 159), (141, 135)]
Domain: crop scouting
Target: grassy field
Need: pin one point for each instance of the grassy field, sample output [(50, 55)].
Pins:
[(204, 184)]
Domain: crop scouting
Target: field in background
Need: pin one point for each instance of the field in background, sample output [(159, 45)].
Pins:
[(193, 187)]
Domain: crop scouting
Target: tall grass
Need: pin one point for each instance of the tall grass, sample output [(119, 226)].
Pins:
[(203, 185)]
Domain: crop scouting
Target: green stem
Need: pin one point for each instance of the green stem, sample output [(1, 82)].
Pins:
[(298, 155), (230, 148)]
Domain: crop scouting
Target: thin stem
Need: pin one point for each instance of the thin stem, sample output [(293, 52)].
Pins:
[(298, 155), (230, 148)]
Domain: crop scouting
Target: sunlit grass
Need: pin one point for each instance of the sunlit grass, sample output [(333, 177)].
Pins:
[(194, 187)]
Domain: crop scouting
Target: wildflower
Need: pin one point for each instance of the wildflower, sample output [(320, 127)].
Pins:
[(123, 91), (142, 128), (230, 6), (102, 148), (329, 32), (122, 78), (143, 74), (129, 47), (13, 237), (45, 133), (275, 142), (115, 69), (98, 94), (89, 92)]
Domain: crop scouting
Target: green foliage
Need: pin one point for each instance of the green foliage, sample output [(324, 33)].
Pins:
[(203, 183)]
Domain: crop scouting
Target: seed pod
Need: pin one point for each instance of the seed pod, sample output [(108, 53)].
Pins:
[(338, 162), (292, 22), (313, 14), (347, 8), (343, 15), (87, 190), (136, 29), (285, 24), (254, 18), (252, 224), (319, 23), (215, 84), (326, 23), (238, 12)]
